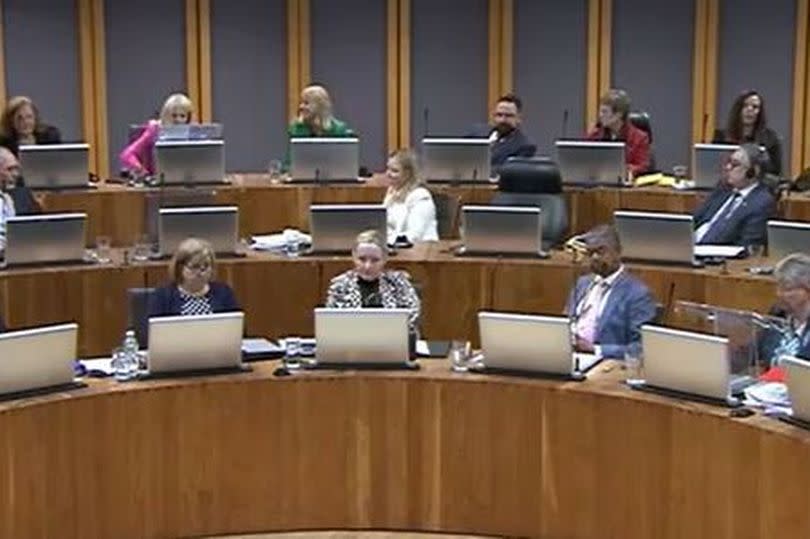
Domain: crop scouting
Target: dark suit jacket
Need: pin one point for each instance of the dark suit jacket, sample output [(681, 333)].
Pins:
[(629, 306), (768, 138), (768, 341), (747, 225), (515, 144), (24, 201), (46, 134), (166, 300)]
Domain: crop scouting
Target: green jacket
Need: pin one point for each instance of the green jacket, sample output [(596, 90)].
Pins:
[(299, 129)]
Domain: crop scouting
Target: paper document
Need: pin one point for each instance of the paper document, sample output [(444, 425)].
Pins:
[(718, 251)]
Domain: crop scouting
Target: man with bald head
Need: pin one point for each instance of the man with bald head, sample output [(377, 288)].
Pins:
[(609, 305)]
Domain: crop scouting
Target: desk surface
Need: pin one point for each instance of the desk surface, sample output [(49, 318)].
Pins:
[(428, 450)]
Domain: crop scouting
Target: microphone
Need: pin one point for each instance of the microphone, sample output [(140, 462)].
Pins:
[(565, 124), (668, 302), (426, 122), (317, 175), (705, 126), (475, 174)]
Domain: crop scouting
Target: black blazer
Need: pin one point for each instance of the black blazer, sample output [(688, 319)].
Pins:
[(515, 144), (768, 340), (747, 225), (24, 201), (46, 134), (768, 138)]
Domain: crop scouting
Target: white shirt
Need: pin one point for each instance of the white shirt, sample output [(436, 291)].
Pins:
[(744, 192), (593, 293), (6, 210), (414, 217)]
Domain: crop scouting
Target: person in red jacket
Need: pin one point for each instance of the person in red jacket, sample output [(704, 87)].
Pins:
[(613, 125)]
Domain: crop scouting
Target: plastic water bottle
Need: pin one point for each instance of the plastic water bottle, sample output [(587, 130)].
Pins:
[(126, 358)]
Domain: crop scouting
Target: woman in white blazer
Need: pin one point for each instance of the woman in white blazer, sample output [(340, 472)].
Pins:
[(411, 212)]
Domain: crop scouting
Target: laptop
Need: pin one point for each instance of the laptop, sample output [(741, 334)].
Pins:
[(334, 227), (364, 337), (190, 162), (531, 344), (464, 160), (318, 159), (205, 344), (38, 360), (787, 237), (591, 163), (55, 166), (656, 237), (797, 379), (496, 230), (218, 225), (686, 364), (708, 162), (190, 132), (45, 238)]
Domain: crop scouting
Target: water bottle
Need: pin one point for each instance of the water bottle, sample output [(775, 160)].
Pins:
[(126, 359)]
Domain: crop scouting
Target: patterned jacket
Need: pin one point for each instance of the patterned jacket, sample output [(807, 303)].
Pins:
[(396, 291)]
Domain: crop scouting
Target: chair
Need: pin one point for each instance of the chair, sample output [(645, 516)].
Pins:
[(535, 181), (138, 313), (447, 208), (641, 120)]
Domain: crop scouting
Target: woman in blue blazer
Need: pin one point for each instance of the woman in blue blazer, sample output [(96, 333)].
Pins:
[(192, 290)]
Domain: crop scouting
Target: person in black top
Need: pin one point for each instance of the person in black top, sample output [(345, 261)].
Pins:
[(505, 135), (21, 124), (747, 122)]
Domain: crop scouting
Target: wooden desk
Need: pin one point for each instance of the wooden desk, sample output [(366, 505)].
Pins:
[(279, 294), (425, 451)]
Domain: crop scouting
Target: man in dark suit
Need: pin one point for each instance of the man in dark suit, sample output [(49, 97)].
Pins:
[(609, 305), (737, 213), (505, 135), (793, 294), (13, 184)]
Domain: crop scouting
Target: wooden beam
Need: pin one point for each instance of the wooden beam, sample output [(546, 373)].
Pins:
[(507, 45), (392, 75), (710, 77), (405, 73), (204, 58), (3, 88), (193, 56), (100, 85), (87, 78), (798, 154), (305, 43), (605, 45), (494, 51), (699, 72), (592, 89)]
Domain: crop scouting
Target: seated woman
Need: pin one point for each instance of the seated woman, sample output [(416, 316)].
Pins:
[(138, 156), (747, 122), (370, 285), (410, 208), (21, 124), (315, 117), (192, 290), (793, 293)]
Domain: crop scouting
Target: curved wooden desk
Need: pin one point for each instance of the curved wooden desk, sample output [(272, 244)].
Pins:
[(430, 451)]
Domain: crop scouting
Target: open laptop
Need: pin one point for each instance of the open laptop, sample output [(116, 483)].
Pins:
[(38, 360), (218, 225), (318, 159), (211, 131), (708, 161), (45, 239), (55, 166), (532, 345), (196, 344), (591, 163), (656, 237), (465, 160), (334, 227), (686, 364), (787, 237), (362, 337), (501, 230), (190, 162), (797, 379)]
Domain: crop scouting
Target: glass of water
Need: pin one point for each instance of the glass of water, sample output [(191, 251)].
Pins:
[(274, 171), (142, 249), (460, 354), (103, 249), (634, 366), (292, 353)]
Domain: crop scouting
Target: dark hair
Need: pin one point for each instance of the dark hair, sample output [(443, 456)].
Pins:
[(757, 159), (617, 100), (511, 98), (603, 235), (734, 127)]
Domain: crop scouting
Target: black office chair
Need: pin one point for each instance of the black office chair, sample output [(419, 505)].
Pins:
[(641, 120), (138, 313), (535, 181)]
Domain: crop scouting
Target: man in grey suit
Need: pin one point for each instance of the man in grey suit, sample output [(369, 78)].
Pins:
[(609, 305)]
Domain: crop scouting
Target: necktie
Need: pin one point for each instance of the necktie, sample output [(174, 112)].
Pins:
[(719, 224), (589, 316)]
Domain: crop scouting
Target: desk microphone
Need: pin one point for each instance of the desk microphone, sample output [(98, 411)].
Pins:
[(426, 122), (317, 175), (565, 124), (705, 125)]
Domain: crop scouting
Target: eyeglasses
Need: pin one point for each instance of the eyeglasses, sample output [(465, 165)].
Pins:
[(734, 164), (199, 267)]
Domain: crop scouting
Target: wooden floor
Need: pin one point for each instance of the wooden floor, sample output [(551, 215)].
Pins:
[(352, 535)]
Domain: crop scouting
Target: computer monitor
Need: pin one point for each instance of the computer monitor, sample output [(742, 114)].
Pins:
[(334, 227), (38, 358), (591, 162), (45, 238), (787, 237), (708, 161), (362, 336), (656, 237), (320, 159), (499, 230), (218, 225), (456, 159), (212, 131), (195, 343), (190, 162), (55, 166)]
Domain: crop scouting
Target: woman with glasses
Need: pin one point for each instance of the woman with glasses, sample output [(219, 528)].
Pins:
[(192, 290), (793, 304)]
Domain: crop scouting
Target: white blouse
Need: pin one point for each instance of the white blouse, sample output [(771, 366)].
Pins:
[(414, 217), (6, 211)]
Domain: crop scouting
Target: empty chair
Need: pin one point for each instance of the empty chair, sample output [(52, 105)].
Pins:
[(535, 181), (138, 313)]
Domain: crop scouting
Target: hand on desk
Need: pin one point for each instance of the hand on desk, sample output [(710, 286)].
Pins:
[(583, 345)]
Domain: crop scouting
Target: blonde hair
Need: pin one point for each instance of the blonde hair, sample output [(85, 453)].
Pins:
[(12, 107), (323, 107), (410, 176), (188, 250), (172, 103), (372, 237)]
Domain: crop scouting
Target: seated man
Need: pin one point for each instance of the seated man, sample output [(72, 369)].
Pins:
[(737, 213), (793, 294), (613, 125), (12, 182), (609, 305), (505, 135)]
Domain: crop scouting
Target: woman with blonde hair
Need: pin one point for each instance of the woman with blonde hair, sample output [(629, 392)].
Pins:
[(192, 290), (21, 124), (138, 156), (315, 118), (410, 207)]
